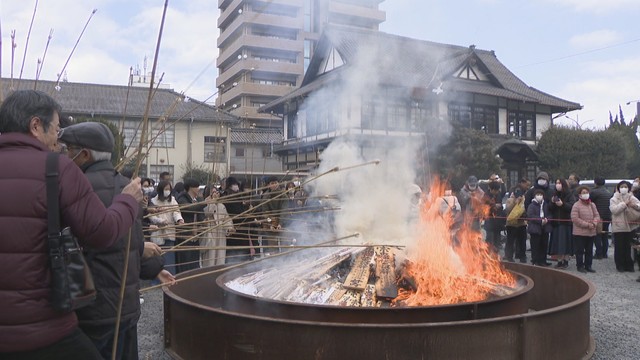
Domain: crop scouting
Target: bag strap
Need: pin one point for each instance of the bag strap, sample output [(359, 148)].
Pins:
[(53, 216), (56, 255)]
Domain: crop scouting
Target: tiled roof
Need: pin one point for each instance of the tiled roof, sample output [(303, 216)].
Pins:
[(256, 136), (111, 101), (417, 64)]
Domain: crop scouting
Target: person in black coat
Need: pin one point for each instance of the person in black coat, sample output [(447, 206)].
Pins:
[(192, 211), (238, 205), (601, 196), (90, 144), (538, 227)]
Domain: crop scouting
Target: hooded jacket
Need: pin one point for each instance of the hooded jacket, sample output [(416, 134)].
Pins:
[(27, 320)]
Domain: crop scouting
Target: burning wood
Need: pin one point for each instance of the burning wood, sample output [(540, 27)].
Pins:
[(369, 280), (360, 271), (385, 286)]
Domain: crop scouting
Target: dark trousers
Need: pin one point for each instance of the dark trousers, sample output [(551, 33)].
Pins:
[(187, 259), (622, 251), (539, 245), (169, 257), (76, 346), (602, 241), (494, 239), (516, 239), (583, 248), (102, 338)]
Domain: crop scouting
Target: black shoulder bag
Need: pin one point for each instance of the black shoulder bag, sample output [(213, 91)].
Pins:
[(72, 285)]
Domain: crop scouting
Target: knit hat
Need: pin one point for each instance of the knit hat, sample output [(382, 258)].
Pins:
[(543, 175)]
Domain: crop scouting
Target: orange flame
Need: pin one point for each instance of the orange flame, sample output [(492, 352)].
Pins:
[(448, 271)]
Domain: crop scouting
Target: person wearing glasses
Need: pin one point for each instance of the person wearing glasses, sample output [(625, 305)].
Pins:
[(29, 326)]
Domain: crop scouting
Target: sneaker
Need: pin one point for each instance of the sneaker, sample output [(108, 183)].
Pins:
[(141, 299), (582, 270), (589, 270)]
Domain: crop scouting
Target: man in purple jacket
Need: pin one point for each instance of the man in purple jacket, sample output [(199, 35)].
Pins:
[(29, 327)]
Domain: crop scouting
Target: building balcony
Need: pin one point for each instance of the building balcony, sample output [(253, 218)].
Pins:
[(362, 15), (262, 65), (230, 11), (246, 88), (262, 42), (251, 17), (296, 3)]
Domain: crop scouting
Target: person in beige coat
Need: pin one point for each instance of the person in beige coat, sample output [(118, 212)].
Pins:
[(219, 225), (621, 228), (585, 219)]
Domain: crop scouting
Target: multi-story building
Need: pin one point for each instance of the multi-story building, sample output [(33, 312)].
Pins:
[(266, 46), (182, 132), (387, 90)]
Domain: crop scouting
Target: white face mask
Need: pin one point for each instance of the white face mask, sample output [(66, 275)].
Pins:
[(235, 187), (539, 198), (559, 187), (624, 190), (542, 182), (167, 193), (584, 196)]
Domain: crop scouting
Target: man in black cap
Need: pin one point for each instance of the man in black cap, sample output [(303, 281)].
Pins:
[(89, 145)]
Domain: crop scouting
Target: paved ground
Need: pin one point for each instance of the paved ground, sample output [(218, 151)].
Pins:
[(615, 315)]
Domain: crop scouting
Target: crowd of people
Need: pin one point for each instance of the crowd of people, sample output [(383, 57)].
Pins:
[(561, 219), (133, 229)]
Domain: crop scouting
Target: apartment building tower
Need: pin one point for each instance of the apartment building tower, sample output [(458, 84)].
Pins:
[(266, 46)]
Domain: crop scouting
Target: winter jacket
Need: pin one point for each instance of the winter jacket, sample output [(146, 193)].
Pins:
[(561, 214), (27, 320), (107, 265), (191, 214), (601, 197), (617, 205), (548, 194), (165, 220), (496, 218), (534, 220), (584, 214)]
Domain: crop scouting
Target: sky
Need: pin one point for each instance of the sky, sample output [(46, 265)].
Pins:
[(586, 51)]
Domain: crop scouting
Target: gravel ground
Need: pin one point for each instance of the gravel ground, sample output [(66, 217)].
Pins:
[(615, 324)]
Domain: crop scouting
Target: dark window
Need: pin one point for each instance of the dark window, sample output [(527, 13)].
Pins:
[(240, 152), (483, 118), (214, 149), (521, 124)]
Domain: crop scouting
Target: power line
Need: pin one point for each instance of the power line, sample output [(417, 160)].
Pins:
[(578, 54)]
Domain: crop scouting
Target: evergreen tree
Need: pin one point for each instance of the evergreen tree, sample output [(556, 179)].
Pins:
[(468, 152)]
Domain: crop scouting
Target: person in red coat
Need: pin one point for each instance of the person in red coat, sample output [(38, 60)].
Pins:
[(29, 326)]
